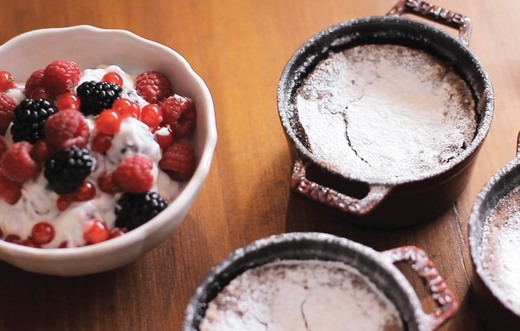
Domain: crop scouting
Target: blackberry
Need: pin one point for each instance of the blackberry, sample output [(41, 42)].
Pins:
[(67, 169), (29, 119), (96, 96), (135, 209)]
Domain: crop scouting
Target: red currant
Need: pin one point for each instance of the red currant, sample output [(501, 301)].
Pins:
[(63, 202), (164, 139), (108, 122), (42, 233), (113, 77), (116, 232), (67, 101), (40, 151), (126, 108), (6, 81), (101, 143), (151, 115), (97, 232), (13, 238), (87, 191), (1, 234), (64, 244), (40, 93), (107, 183), (30, 243)]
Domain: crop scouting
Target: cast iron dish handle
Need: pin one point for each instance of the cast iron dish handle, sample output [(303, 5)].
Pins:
[(426, 270), (435, 13), (359, 207)]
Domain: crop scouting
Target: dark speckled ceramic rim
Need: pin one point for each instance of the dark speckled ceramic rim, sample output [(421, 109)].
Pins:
[(385, 29), (498, 186), (378, 266)]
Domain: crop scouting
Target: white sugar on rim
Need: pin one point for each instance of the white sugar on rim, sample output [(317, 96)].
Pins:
[(295, 295), (385, 112), (500, 247)]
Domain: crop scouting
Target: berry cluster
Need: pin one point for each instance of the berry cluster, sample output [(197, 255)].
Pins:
[(51, 134)]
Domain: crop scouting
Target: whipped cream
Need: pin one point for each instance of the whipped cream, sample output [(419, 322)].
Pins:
[(38, 203)]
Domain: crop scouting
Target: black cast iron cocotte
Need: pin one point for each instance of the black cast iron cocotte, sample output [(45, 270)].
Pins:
[(392, 202), (379, 267)]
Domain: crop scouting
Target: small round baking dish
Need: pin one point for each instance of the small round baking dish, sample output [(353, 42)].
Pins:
[(390, 202), (494, 233), (379, 267)]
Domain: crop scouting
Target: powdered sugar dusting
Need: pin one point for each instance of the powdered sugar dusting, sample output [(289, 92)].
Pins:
[(385, 112), (501, 245), (301, 295)]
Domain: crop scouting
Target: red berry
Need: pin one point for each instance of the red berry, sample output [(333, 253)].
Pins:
[(151, 115), (153, 86), (179, 114), (30, 243), (67, 128), (42, 233), (107, 183), (97, 232), (113, 77), (63, 202), (164, 138), (41, 93), (13, 238), (3, 146), (116, 232), (10, 191), (34, 81), (67, 101), (126, 108), (108, 122), (6, 81), (86, 192), (134, 174), (1, 234), (60, 76), (7, 105), (101, 142), (178, 161), (64, 244), (17, 164), (41, 151)]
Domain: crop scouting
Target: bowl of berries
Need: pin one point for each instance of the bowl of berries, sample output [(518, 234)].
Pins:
[(105, 141)]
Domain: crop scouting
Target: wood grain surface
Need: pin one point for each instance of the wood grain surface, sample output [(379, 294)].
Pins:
[(240, 47)]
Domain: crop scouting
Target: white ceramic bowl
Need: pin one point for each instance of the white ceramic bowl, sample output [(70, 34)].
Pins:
[(89, 47)]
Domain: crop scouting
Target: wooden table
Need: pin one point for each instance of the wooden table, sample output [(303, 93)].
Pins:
[(240, 48)]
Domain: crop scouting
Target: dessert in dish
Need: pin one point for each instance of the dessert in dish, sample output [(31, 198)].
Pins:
[(385, 112), (87, 155), (500, 247), (294, 295)]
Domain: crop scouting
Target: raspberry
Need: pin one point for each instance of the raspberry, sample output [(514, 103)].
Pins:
[(41, 151), (67, 128), (178, 161), (6, 81), (133, 210), (17, 164), (34, 81), (164, 138), (96, 96), (61, 76), (40, 93), (29, 119), (10, 191), (7, 105), (179, 114), (153, 86), (67, 169), (3, 145), (134, 174)]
